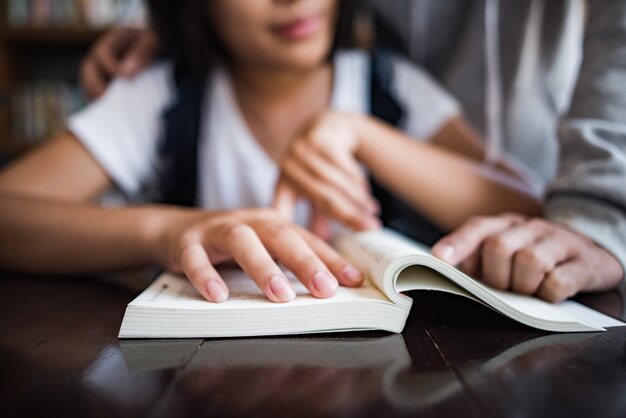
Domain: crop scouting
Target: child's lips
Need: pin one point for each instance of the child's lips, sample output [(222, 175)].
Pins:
[(300, 28)]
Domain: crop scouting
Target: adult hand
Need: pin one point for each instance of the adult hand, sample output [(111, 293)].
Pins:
[(321, 165), (529, 256), (120, 52), (193, 242)]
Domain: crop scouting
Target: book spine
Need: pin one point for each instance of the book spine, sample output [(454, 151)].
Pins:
[(67, 13), (39, 110), (18, 12)]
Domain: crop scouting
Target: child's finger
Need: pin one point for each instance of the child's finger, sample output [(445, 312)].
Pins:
[(244, 245), (329, 198), (346, 273), (326, 171), (347, 163), (295, 254), (196, 265)]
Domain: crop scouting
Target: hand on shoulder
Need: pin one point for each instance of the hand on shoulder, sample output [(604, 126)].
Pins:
[(122, 51)]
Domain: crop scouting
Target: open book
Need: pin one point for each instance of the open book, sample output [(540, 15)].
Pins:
[(171, 307)]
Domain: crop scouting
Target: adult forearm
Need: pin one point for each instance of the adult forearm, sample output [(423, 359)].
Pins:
[(38, 235), (445, 187)]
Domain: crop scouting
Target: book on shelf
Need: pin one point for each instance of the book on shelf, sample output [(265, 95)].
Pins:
[(39, 109), (171, 307), (70, 13)]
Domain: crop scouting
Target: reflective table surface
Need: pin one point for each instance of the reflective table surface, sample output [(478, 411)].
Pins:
[(60, 357)]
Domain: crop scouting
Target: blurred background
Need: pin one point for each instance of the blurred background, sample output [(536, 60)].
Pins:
[(41, 46)]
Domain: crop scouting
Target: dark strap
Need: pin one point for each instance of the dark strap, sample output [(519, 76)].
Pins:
[(179, 150)]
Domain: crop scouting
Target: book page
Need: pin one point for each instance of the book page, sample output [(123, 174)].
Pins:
[(397, 264), (171, 291), (374, 251)]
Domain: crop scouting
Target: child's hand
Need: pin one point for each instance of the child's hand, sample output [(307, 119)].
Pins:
[(193, 242), (321, 165)]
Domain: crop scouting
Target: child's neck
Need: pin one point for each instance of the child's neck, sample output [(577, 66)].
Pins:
[(278, 104)]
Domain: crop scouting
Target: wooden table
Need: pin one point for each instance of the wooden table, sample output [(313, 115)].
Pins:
[(60, 357)]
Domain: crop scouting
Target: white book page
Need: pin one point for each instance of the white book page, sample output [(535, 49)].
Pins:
[(590, 316), (374, 251), (171, 291), (383, 252)]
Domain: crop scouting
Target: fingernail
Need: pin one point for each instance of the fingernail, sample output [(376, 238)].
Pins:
[(281, 288), (352, 274), (445, 252), (216, 291), (324, 283)]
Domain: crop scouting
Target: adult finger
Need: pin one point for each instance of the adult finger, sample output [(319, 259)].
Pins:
[(328, 198), (498, 251), (564, 280), (244, 245), (294, 253), (92, 80), (534, 261), (140, 54), (345, 272), (468, 238), (325, 170), (105, 57), (196, 265), (472, 264)]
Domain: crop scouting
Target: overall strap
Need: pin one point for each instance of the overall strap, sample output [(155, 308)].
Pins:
[(395, 213), (179, 150)]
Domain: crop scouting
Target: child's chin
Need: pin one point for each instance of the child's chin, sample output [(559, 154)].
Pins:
[(304, 59)]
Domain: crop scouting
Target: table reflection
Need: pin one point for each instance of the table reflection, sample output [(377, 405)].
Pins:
[(65, 359), (324, 375)]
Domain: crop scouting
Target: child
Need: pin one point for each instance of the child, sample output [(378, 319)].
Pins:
[(269, 74)]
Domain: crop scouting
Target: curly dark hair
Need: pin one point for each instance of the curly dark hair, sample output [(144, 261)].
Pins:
[(188, 39)]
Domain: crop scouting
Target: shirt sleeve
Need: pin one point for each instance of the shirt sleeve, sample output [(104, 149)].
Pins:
[(589, 191), (428, 106), (122, 128)]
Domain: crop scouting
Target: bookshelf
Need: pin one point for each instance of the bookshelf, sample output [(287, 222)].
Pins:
[(42, 43)]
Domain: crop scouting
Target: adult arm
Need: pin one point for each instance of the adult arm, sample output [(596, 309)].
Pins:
[(589, 193), (583, 245)]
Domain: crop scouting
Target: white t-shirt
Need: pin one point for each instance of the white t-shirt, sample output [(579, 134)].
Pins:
[(124, 128)]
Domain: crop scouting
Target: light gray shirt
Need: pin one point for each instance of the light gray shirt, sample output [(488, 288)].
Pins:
[(559, 76)]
